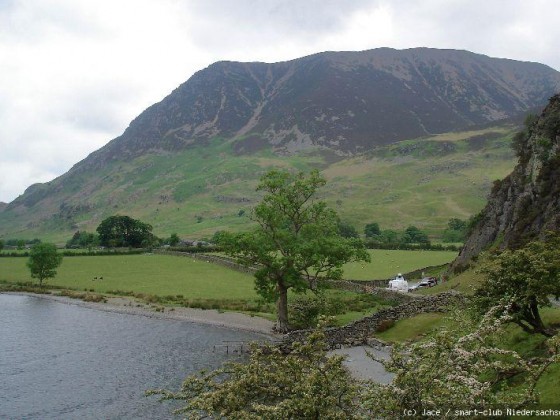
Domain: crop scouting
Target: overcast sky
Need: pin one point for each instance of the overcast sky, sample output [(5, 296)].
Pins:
[(74, 73)]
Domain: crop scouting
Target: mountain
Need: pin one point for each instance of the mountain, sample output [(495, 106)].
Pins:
[(344, 101), (525, 204), (197, 153)]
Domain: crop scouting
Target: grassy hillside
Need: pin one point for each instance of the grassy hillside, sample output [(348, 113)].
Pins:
[(206, 188)]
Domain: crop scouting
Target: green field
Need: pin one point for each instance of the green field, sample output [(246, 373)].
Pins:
[(166, 275), (412, 328), (388, 263), (154, 274)]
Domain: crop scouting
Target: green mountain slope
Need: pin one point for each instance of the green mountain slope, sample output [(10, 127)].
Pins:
[(210, 187)]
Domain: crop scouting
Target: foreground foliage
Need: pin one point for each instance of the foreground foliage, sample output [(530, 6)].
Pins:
[(528, 276), (459, 371), (464, 366), (305, 384)]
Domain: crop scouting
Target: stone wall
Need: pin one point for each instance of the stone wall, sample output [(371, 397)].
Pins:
[(371, 287), (216, 259), (359, 332)]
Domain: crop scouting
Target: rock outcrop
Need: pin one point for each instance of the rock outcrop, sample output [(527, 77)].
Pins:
[(526, 204)]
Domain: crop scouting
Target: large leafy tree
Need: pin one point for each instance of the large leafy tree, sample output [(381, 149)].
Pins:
[(118, 231), (43, 261), (296, 243), (528, 276)]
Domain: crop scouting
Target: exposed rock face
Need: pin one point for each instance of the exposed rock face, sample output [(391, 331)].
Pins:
[(345, 101), (526, 204)]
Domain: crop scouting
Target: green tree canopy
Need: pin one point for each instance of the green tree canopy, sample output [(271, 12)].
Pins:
[(456, 230), (83, 239), (372, 229), (43, 261), (456, 224), (117, 231), (174, 239), (413, 235), (528, 276), (346, 230), (389, 236), (296, 243)]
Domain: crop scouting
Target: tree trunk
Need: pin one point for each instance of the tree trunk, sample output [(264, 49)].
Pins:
[(536, 320), (282, 308)]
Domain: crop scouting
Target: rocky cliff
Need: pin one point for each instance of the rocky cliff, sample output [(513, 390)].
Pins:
[(526, 204)]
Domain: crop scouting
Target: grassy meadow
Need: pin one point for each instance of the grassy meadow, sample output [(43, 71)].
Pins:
[(169, 275), (152, 274), (387, 264), (175, 280)]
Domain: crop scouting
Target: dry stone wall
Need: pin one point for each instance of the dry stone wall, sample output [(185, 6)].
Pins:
[(216, 259), (359, 332)]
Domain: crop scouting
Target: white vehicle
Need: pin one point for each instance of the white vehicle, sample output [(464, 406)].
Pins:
[(398, 284)]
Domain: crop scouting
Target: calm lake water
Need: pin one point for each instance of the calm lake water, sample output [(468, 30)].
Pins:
[(60, 361)]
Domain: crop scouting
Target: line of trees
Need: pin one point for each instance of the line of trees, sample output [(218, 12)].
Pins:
[(18, 243), (411, 235), (120, 231)]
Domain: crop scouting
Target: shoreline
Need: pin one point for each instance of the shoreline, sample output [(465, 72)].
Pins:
[(129, 306), (356, 360)]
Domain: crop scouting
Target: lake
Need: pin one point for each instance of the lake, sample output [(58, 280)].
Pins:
[(61, 361)]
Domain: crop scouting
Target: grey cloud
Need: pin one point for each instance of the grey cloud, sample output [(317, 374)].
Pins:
[(96, 108), (317, 16), (21, 22), (251, 24)]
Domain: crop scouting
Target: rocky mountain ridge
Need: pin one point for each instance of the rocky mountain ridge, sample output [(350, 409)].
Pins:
[(348, 102), (526, 204)]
